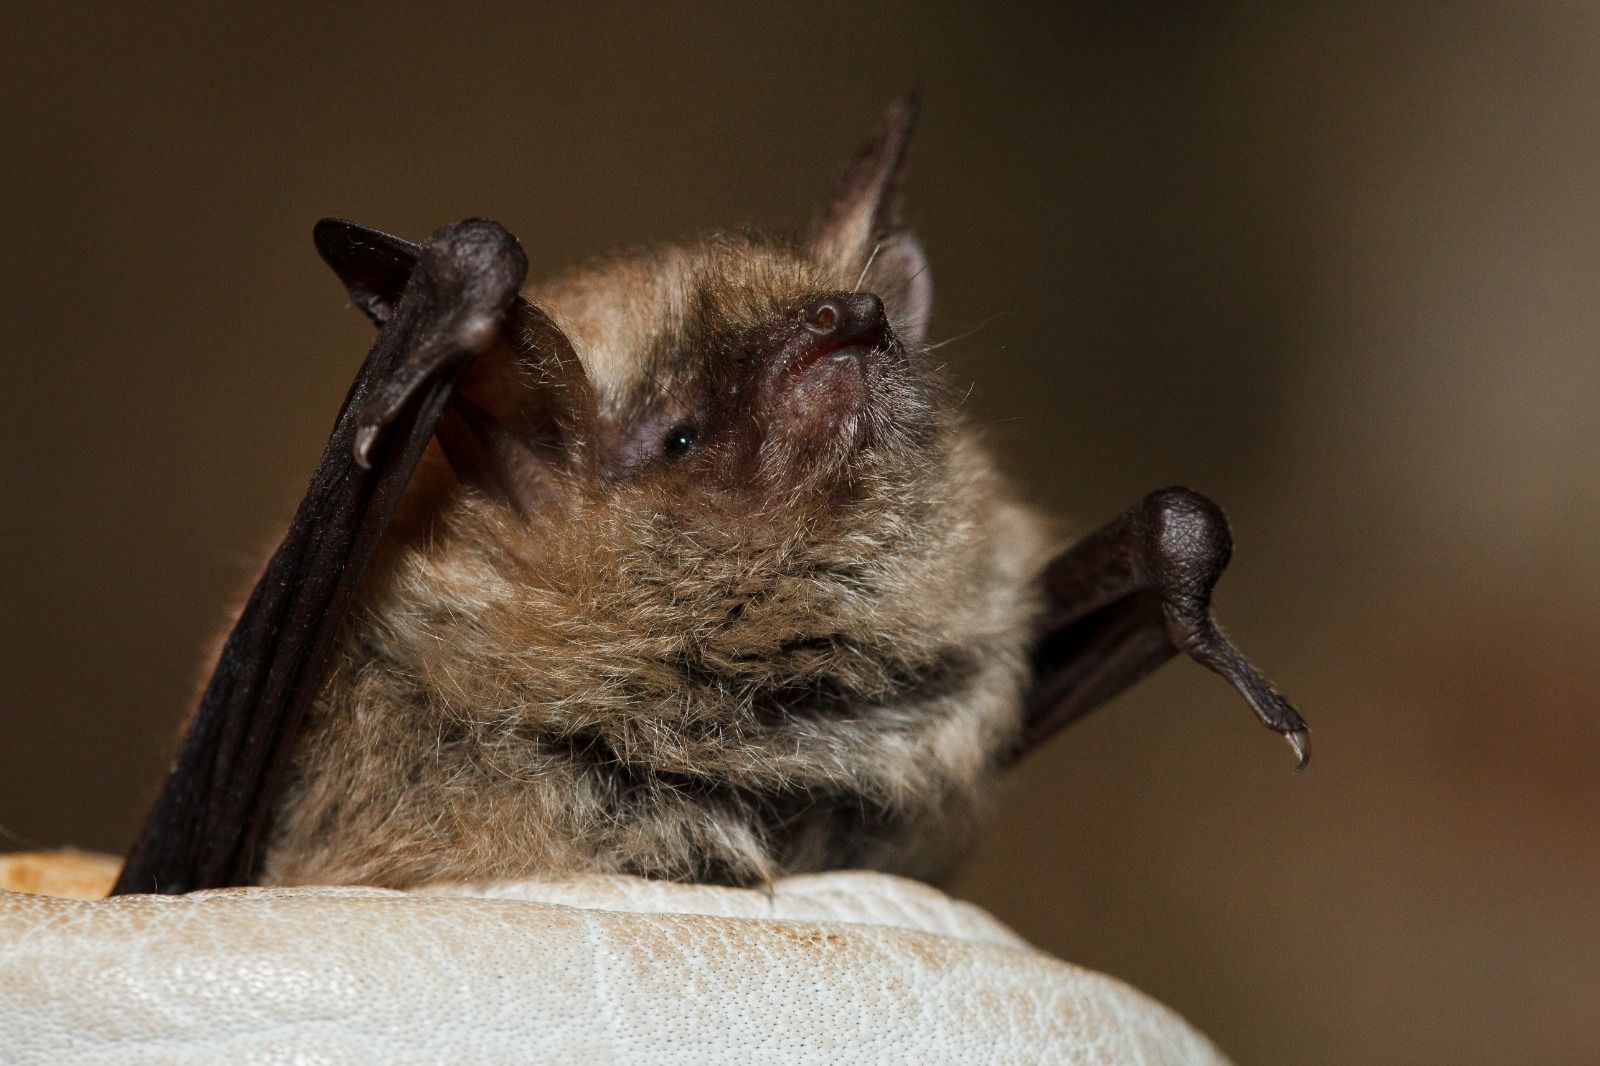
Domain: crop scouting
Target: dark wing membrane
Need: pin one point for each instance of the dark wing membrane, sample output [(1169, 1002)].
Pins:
[(439, 306), (1127, 598)]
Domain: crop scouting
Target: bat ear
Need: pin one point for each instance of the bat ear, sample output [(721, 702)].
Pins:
[(373, 265), (520, 425), (858, 236)]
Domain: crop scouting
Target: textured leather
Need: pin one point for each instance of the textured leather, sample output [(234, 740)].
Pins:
[(834, 968)]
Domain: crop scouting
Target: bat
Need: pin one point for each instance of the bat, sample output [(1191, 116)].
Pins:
[(684, 564)]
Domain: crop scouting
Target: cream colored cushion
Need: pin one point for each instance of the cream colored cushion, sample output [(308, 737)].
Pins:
[(834, 968)]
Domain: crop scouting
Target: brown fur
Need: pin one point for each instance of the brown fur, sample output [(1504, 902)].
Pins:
[(804, 654)]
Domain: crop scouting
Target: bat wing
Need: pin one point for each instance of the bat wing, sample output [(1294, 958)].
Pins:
[(439, 306), (1127, 598)]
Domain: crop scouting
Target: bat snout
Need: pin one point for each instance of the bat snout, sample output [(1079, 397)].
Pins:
[(837, 328), (852, 318)]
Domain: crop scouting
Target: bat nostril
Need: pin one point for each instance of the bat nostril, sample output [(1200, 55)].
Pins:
[(825, 316), (847, 318)]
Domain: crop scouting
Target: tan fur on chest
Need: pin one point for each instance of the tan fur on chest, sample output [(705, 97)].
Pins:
[(623, 694)]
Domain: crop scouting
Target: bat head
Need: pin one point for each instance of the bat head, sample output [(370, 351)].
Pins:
[(708, 581), (743, 372), (735, 369)]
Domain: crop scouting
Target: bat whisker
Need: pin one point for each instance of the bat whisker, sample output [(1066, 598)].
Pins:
[(667, 391), (963, 336), (876, 248)]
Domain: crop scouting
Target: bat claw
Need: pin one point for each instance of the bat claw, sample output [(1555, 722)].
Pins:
[(366, 437), (1300, 741)]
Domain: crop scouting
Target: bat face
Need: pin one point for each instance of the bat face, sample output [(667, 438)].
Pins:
[(752, 387), (707, 581), (734, 372)]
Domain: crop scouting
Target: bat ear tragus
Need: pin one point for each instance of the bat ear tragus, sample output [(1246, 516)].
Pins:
[(858, 236)]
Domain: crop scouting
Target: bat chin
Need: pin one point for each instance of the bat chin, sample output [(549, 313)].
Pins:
[(822, 416), (823, 394)]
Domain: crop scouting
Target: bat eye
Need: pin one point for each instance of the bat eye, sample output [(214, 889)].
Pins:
[(678, 441)]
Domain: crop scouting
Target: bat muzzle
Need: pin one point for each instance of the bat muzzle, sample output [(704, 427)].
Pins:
[(850, 324)]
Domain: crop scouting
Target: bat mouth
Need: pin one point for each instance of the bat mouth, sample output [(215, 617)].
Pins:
[(854, 356)]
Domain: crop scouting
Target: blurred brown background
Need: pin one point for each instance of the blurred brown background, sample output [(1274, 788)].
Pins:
[(1338, 270)]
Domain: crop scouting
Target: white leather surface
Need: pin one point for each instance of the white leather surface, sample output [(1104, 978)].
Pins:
[(834, 968)]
